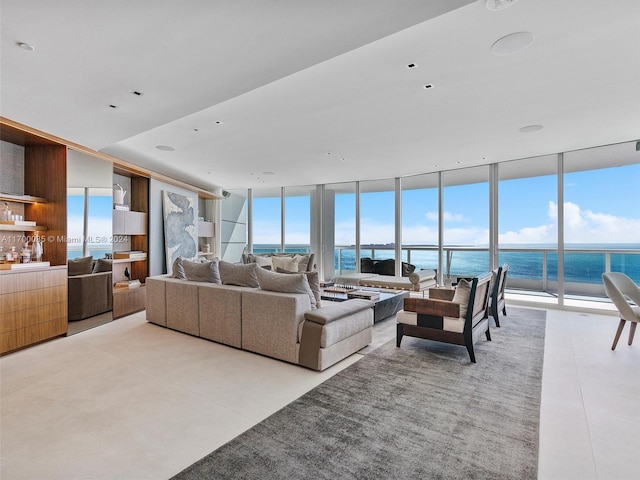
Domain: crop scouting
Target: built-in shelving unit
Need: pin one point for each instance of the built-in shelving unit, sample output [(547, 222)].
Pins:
[(33, 301), (130, 228)]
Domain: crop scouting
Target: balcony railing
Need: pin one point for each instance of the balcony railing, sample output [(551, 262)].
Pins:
[(530, 269)]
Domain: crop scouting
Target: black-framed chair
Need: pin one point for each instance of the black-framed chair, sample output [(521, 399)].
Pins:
[(460, 321), (625, 295), (496, 299)]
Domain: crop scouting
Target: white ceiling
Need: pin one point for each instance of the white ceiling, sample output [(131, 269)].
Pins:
[(318, 91)]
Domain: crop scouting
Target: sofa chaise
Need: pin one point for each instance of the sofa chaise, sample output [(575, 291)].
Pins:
[(245, 310)]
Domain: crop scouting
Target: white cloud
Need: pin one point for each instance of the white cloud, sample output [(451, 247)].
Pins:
[(580, 226), (447, 217)]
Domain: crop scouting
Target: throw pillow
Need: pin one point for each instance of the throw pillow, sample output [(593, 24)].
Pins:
[(177, 270), (103, 265), (263, 261), (80, 266), (201, 271), (285, 283), (407, 269), (303, 262), (314, 283), (286, 263), (385, 267), (241, 275), (461, 296)]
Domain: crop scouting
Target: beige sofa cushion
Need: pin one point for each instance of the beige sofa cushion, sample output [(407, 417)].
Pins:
[(285, 283), (241, 275)]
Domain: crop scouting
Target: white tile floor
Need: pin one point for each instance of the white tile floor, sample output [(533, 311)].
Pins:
[(130, 400)]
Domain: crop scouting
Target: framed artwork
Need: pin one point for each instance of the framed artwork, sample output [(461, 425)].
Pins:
[(180, 235)]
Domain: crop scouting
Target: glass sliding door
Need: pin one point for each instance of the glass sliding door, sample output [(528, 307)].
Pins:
[(466, 221), (601, 216), (377, 219), (420, 221), (339, 235), (297, 218), (528, 222)]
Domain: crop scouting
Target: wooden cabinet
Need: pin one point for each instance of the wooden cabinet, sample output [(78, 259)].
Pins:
[(128, 300), (33, 306), (129, 223)]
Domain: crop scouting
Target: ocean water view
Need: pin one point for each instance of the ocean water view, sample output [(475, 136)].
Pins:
[(583, 263)]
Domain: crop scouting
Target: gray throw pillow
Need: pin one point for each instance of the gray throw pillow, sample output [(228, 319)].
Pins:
[(285, 283), (241, 275), (80, 266), (103, 265), (461, 296), (314, 283), (197, 271), (177, 270)]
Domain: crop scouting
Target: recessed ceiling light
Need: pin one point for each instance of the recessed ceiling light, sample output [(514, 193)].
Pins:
[(495, 5), (112, 106), (428, 86), (136, 93), (26, 46), (218, 123), (165, 148), (412, 65), (531, 128), (268, 173), (512, 43)]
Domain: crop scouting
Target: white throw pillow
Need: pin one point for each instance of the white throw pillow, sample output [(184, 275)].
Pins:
[(286, 263), (264, 261)]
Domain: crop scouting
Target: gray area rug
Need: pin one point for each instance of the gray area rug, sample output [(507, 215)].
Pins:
[(419, 411)]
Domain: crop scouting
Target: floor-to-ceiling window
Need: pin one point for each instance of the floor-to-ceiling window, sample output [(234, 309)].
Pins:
[(420, 221), (297, 218), (528, 222), (601, 216), (339, 234), (233, 225), (89, 222), (377, 219), (466, 221), (267, 220)]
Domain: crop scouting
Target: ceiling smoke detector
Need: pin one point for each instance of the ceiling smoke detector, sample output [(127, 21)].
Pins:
[(495, 5)]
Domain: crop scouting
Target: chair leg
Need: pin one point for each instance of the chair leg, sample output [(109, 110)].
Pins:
[(399, 334), (504, 310), (495, 315), (488, 333), (472, 355), (632, 331), (618, 333)]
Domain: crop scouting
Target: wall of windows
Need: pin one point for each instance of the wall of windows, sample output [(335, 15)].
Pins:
[(558, 220)]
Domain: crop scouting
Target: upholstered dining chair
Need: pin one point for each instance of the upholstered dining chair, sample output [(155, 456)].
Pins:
[(496, 300), (625, 295), (461, 320)]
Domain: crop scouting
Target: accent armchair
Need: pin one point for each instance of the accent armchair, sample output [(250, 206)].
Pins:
[(460, 321), (625, 295)]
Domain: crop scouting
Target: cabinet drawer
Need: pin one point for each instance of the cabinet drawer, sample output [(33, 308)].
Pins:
[(11, 302), (32, 317), (27, 336)]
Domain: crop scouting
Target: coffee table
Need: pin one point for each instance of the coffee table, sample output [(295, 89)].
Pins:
[(389, 303)]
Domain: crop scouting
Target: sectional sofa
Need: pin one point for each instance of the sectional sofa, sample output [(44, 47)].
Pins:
[(265, 312)]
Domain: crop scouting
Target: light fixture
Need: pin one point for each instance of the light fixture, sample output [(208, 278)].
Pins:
[(26, 46), (411, 65), (495, 5), (530, 128), (512, 43), (165, 148)]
